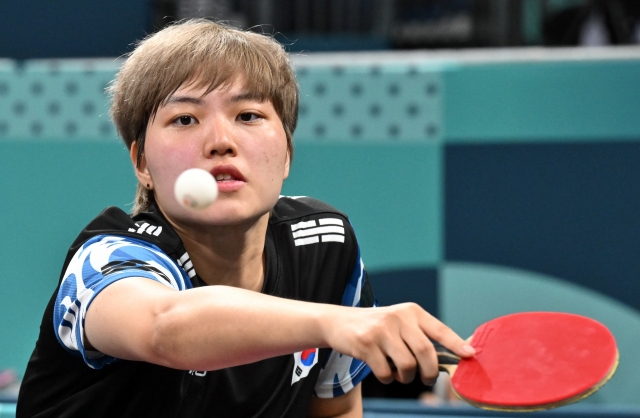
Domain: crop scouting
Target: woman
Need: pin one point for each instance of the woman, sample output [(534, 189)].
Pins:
[(248, 308)]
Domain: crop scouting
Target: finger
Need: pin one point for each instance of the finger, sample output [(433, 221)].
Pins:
[(438, 331), (430, 381), (381, 366), (425, 355), (402, 362)]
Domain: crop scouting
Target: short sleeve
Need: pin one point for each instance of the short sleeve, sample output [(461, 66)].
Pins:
[(101, 261), (342, 373)]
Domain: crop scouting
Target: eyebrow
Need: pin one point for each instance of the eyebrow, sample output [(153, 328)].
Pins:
[(246, 96), (241, 97), (185, 99)]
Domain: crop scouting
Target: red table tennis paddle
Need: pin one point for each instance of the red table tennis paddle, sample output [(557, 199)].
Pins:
[(532, 361)]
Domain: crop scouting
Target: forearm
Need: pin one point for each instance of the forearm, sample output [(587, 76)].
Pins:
[(219, 326), (207, 328)]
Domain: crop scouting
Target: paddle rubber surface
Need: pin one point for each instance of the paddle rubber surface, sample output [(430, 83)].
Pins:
[(536, 360)]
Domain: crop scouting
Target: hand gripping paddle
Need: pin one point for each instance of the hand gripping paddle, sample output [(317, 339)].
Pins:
[(532, 361)]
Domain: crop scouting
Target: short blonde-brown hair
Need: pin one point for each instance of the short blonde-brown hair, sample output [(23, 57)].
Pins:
[(209, 55)]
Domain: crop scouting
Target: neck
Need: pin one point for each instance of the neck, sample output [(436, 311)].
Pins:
[(228, 255)]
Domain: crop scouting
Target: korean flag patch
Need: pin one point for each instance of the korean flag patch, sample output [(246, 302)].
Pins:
[(303, 363)]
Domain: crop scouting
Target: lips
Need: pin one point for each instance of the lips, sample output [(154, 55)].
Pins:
[(227, 172), (228, 177)]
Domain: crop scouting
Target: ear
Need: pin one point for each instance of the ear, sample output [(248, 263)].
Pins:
[(287, 166), (142, 171)]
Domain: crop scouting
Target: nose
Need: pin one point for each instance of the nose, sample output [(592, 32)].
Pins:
[(219, 138)]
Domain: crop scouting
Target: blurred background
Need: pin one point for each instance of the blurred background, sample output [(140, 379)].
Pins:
[(486, 151), (72, 28)]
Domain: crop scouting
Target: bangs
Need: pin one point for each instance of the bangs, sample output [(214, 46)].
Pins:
[(214, 73), (216, 60)]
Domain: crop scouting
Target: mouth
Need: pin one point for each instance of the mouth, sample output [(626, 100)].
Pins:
[(225, 173), (224, 177)]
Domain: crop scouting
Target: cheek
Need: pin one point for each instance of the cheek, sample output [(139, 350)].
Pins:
[(274, 160), (172, 149), (275, 154), (166, 161)]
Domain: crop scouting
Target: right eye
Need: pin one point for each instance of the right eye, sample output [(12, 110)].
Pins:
[(184, 120)]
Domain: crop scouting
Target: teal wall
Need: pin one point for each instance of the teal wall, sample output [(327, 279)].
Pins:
[(51, 190), (7, 410), (542, 101), (371, 183), (371, 141)]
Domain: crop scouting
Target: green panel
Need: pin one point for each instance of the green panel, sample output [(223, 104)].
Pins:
[(391, 193), (57, 99), (7, 65), (385, 104), (471, 294), (578, 100), (7, 410), (50, 191), (6, 85)]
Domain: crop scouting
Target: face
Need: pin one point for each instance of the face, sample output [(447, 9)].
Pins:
[(227, 132)]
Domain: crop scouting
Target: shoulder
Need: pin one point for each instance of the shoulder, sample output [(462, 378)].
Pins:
[(150, 227), (104, 259), (110, 219), (310, 221), (312, 233), (291, 208), (115, 233)]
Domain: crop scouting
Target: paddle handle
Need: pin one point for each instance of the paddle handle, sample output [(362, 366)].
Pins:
[(447, 360)]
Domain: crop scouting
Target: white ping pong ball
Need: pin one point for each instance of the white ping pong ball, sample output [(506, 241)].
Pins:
[(196, 188)]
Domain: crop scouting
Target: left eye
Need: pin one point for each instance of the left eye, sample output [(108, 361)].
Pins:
[(185, 120), (248, 117)]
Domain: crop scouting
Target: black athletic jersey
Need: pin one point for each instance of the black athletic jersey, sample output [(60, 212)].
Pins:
[(311, 255)]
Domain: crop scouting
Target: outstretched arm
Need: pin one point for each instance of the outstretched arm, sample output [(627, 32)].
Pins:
[(216, 327)]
